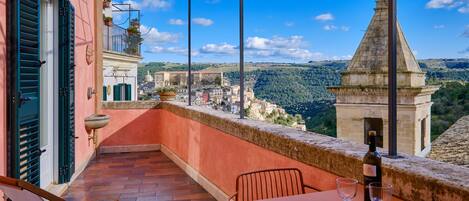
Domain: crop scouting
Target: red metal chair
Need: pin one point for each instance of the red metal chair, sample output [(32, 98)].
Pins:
[(17, 190), (266, 184)]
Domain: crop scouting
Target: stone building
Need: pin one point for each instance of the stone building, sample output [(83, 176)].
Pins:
[(179, 78), (362, 97)]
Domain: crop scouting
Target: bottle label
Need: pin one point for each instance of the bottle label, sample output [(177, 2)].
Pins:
[(369, 170)]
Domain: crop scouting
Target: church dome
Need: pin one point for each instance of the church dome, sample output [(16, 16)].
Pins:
[(148, 77)]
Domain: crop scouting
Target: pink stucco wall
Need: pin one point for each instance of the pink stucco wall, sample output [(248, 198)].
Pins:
[(84, 76), (131, 127), (217, 156), (3, 82)]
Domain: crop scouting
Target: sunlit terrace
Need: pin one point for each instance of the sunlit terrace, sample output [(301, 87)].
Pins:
[(83, 121), (213, 148)]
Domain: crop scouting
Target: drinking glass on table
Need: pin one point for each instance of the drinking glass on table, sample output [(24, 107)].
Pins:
[(380, 191), (346, 188)]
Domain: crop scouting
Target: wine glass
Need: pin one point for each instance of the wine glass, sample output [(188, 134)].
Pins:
[(346, 188), (380, 191)]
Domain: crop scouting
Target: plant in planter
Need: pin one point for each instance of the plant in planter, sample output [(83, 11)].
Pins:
[(133, 30), (107, 4), (135, 23), (166, 93), (134, 40), (108, 21)]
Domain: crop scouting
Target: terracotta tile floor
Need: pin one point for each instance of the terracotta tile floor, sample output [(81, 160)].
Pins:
[(137, 177)]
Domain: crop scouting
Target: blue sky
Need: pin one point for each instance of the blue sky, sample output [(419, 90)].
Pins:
[(294, 30)]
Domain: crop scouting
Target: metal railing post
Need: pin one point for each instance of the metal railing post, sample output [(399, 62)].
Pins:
[(189, 54), (241, 59), (392, 77)]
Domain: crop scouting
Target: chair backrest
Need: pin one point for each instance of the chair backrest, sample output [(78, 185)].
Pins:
[(267, 184), (14, 190)]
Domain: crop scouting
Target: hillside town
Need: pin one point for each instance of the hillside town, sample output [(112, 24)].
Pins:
[(212, 90)]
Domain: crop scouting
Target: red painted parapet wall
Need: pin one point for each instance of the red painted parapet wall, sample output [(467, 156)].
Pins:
[(222, 157), (217, 156)]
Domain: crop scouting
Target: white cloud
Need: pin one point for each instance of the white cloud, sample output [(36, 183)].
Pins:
[(275, 42), (439, 3), (223, 48), (292, 47), (170, 50), (439, 26), (346, 57), (155, 4), (151, 35), (203, 21), (461, 5), (178, 22), (325, 17), (329, 27)]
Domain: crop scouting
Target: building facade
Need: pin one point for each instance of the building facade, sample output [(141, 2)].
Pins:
[(179, 78), (362, 97), (121, 54)]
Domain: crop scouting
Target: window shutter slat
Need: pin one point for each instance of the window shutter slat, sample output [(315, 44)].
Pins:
[(26, 82), (67, 85)]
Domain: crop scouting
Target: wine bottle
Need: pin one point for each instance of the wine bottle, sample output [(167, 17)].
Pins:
[(371, 164)]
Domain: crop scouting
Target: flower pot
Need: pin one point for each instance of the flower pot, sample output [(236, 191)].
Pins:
[(167, 96), (130, 32), (108, 23)]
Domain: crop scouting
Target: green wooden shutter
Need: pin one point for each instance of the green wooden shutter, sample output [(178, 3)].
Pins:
[(67, 91), (104, 93), (25, 80), (128, 92), (117, 92)]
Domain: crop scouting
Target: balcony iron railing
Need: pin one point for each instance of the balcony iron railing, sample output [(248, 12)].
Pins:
[(117, 39)]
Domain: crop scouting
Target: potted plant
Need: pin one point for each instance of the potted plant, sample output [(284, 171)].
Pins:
[(134, 40), (133, 30), (166, 93), (108, 21), (107, 4), (135, 23)]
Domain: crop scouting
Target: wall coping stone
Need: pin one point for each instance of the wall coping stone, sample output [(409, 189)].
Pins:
[(130, 105), (414, 178)]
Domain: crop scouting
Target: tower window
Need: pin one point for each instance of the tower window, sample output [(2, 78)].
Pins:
[(374, 124), (423, 132)]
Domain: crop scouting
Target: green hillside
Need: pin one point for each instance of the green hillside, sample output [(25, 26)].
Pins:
[(302, 88)]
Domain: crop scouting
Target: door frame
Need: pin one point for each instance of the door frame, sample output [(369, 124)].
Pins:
[(48, 89)]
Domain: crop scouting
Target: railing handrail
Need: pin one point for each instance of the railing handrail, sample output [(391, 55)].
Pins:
[(116, 39)]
